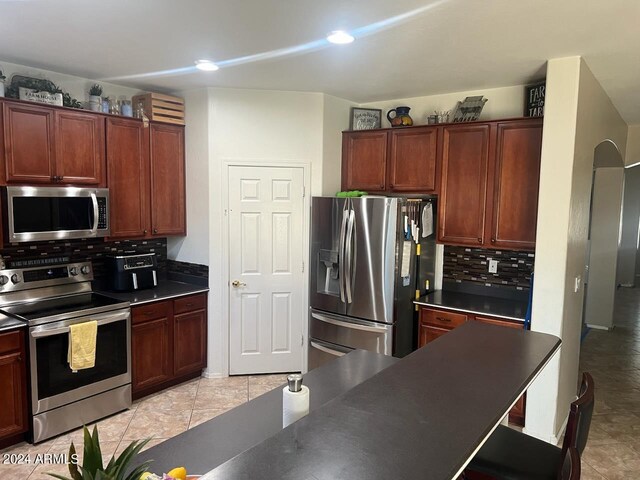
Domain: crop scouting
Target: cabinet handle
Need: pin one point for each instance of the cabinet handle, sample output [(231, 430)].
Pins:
[(145, 231), (382, 186), (493, 240), (155, 230), (391, 185), (443, 319), (479, 239), (189, 305)]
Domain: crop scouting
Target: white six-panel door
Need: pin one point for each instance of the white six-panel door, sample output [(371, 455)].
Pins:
[(266, 277)]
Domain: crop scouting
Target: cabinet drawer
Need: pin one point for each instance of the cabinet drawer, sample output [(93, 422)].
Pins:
[(441, 318), (151, 311), (189, 304), (10, 342)]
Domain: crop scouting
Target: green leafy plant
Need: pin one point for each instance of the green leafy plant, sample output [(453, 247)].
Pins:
[(39, 85), (95, 90), (2, 77), (92, 467)]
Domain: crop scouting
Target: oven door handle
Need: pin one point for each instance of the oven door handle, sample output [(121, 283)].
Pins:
[(40, 332), (96, 213)]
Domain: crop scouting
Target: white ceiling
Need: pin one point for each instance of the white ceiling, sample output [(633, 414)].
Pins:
[(444, 46)]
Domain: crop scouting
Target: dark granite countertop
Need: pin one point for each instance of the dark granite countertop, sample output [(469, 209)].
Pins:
[(9, 323), (478, 304), (212, 443), (421, 418), (165, 290)]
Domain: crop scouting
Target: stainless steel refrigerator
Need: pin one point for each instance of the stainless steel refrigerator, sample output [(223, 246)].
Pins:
[(364, 276)]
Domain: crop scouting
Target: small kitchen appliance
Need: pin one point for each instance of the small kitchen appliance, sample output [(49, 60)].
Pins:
[(128, 273), (50, 295)]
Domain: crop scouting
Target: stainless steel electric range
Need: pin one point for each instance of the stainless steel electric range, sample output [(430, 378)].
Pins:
[(50, 298)]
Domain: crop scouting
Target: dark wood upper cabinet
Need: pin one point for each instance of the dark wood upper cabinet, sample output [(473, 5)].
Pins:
[(517, 176), (80, 148), (167, 179), (364, 160), (13, 384), (128, 177), (413, 160), (29, 143), (461, 211)]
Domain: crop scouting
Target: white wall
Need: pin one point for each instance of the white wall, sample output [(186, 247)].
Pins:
[(504, 102), (603, 250), (77, 87), (578, 116), (630, 222), (335, 120), (632, 155)]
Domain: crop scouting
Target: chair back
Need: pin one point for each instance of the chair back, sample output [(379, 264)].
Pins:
[(570, 465), (580, 416)]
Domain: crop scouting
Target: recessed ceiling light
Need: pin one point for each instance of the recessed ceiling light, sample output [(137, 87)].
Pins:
[(340, 37), (206, 65)]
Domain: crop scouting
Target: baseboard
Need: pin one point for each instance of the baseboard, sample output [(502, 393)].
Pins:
[(600, 327), (208, 374), (552, 439)]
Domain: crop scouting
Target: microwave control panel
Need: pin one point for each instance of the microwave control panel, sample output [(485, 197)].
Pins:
[(103, 215)]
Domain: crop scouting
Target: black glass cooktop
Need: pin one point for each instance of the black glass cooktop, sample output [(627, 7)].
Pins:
[(71, 305)]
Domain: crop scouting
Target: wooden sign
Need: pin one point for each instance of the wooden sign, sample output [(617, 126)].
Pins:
[(534, 100), (40, 96)]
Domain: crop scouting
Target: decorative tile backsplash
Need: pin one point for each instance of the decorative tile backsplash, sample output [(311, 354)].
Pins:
[(95, 250), (462, 264), (185, 268)]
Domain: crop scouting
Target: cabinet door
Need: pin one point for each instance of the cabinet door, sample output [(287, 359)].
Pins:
[(29, 143), (517, 175), (189, 345), (427, 333), (151, 352), (80, 155), (412, 160), (461, 213), (128, 177), (364, 161), (167, 180), (13, 384)]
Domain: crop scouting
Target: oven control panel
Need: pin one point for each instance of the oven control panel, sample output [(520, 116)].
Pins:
[(44, 276)]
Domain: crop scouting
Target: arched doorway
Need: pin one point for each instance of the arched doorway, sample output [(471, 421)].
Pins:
[(603, 236)]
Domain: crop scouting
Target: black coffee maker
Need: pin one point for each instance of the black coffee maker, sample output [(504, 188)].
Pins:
[(129, 272)]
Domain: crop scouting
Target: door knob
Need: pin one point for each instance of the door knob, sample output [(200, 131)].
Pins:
[(238, 283)]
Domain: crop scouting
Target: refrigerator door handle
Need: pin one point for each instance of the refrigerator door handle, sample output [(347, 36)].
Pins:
[(341, 254), (349, 254), (354, 324), (331, 351)]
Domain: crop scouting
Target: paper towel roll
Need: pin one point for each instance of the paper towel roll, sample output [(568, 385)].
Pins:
[(295, 405)]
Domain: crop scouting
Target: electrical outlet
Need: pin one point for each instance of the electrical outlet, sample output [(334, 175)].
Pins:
[(576, 287), (493, 266)]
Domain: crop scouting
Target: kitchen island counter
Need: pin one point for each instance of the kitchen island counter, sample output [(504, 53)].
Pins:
[(476, 304), (166, 289)]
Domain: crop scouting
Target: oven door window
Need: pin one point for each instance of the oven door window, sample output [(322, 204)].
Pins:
[(54, 374), (52, 214)]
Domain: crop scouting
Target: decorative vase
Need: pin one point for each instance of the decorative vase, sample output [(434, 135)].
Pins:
[(401, 117), (1, 88), (95, 103), (105, 105)]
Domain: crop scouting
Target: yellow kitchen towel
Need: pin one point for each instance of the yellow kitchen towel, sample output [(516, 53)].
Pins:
[(82, 345)]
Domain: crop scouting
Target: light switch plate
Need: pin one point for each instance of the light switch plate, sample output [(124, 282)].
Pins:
[(493, 266)]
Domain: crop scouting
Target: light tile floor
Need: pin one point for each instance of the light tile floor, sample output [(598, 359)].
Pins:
[(160, 416), (613, 359)]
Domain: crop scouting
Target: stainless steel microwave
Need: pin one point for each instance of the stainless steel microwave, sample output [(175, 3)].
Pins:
[(55, 213)]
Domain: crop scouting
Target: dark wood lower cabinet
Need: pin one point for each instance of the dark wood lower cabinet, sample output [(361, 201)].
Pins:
[(168, 343), (434, 323), (151, 348), (13, 385)]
